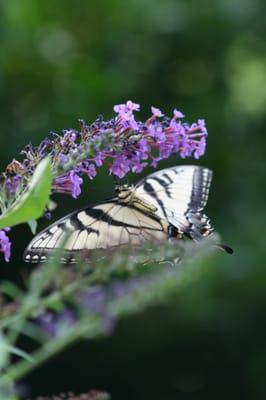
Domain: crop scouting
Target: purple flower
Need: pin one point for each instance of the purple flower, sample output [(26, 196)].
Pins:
[(144, 149), (155, 161), (120, 166), (126, 122), (12, 184), (160, 134), (178, 114), (5, 244), (69, 184), (62, 159), (132, 106), (55, 324), (95, 300), (47, 214), (156, 112), (91, 171), (202, 126), (137, 166), (121, 143), (46, 322), (125, 115), (200, 148), (186, 147), (157, 132), (69, 137), (129, 107), (165, 150), (99, 158), (88, 169)]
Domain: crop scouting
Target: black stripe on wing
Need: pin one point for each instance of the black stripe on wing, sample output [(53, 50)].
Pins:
[(164, 185), (75, 225), (200, 189), (67, 225), (153, 193), (168, 178), (100, 215)]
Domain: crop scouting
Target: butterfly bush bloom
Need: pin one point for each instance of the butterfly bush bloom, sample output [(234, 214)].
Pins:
[(97, 299), (123, 144), (69, 184), (56, 324), (5, 245)]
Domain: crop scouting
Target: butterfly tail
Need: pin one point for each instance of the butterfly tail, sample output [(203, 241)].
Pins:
[(225, 248)]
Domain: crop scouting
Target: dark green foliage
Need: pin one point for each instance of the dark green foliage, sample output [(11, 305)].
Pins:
[(65, 60)]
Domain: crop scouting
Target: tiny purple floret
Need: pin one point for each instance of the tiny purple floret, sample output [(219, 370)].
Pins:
[(156, 112), (5, 244), (178, 114), (69, 184)]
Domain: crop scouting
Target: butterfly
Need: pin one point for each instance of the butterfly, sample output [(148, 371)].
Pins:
[(166, 204)]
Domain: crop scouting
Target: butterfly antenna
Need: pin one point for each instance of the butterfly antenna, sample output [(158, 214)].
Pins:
[(117, 182)]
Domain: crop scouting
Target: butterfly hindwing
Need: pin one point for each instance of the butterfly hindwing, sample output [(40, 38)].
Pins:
[(179, 194), (104, 225)]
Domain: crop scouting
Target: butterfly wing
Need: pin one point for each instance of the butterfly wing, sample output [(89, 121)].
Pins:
[(104, 225), (179, 195)]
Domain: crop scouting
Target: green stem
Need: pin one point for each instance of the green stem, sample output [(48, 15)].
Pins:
[(89, 328), (45, 302)]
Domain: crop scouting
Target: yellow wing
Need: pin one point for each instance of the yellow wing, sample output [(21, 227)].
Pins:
[(102, 226)]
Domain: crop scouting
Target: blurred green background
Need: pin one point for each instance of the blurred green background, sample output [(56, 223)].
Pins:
[(64, 60)]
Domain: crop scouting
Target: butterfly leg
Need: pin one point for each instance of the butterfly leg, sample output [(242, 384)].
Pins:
[(174, 233)]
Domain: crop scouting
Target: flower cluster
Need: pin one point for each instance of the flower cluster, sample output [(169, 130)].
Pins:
[(96, 300), (55, 324), (122, 143)]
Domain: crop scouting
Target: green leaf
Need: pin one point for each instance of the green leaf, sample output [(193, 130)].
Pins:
[(33, 226), (18, 352), (11, 290), (31, 204), (3, 351)]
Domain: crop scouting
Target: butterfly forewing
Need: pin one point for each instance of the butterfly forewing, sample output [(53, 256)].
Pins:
[(103, 225)]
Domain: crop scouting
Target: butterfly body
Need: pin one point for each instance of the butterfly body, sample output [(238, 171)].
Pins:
[(166, 203), (127, 195)]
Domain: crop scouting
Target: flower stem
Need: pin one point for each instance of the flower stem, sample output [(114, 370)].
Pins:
[(89, 328)]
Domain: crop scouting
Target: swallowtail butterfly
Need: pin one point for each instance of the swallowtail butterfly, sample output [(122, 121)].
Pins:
[(167, 203)]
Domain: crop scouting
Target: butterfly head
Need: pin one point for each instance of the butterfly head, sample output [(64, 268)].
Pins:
[(124, 192)]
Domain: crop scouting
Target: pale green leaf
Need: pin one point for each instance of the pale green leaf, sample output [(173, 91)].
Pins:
[(18, 352), (32, 203), (33, 226), (3, 351)]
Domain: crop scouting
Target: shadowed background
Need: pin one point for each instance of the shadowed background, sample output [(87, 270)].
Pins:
[(60, 61)]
